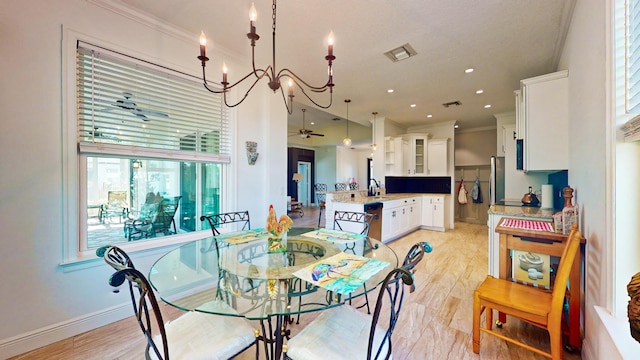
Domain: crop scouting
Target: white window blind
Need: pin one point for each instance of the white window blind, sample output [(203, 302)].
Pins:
[(633, 57), (127, 106)]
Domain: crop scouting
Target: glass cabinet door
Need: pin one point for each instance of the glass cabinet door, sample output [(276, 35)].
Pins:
[(419, 147)]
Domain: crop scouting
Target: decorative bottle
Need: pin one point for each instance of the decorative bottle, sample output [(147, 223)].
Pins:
[(569, 211)]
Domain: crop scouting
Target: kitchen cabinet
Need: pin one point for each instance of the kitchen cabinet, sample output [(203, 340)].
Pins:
[(543, 121), (503, 136), (400, 217), (393, 158), (434, 212), (416, 156), (437, 159)]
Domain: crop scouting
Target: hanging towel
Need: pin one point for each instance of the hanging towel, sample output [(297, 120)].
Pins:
[(476, 194), (462, 193)]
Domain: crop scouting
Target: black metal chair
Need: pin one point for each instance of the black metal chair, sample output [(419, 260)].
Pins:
[(351, 221), (321, 198), (194, 335), (354, 186), (341, 332), (216, 221)]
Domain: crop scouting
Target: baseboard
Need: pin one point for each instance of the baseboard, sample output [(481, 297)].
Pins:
[(47, 335)]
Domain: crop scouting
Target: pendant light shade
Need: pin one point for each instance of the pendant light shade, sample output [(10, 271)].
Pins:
[(347, 139)]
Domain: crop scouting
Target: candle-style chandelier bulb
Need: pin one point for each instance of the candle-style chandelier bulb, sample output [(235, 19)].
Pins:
[(274, 76)]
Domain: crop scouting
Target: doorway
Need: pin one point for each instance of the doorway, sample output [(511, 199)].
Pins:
[(304, 185)]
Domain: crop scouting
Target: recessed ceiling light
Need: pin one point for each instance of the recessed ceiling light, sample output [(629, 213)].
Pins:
[(312, 123), (469, 70), (487, 106), (429, 116), (413, 105), (479, 91), (389, 91), (456, 126)]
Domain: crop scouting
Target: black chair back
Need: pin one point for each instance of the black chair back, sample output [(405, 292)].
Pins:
[(390, 297), (142, 297), (341, 186), (344, 220), (216, 220)]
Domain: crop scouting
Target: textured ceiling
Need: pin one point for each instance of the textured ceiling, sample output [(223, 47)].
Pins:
[(503, 40)]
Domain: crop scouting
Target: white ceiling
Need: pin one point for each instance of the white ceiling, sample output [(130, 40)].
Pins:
[(503, 40)]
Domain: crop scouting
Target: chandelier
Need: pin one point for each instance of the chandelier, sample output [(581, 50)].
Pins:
[(275, 77)]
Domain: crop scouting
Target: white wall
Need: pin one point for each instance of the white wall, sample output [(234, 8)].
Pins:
[(42, 301), (585, 56), (326, 166)]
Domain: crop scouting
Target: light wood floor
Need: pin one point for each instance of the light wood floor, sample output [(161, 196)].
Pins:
[(435, 322)]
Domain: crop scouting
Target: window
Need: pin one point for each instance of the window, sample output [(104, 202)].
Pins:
[(153, 147), (632, 59)]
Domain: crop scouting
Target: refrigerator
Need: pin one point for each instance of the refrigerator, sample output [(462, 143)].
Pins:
[(496, 180)]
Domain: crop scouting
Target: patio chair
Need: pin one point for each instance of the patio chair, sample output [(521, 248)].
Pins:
[(341, 332), (116, 206), (190, 335), (153, 218)]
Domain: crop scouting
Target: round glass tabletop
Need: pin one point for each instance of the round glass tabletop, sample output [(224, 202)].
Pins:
[(236, 274)]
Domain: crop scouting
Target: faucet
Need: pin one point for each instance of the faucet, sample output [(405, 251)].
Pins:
[(372, 188)]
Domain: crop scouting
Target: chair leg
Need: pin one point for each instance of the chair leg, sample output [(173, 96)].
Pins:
[(556, 344), (476, 322), (489, 316)]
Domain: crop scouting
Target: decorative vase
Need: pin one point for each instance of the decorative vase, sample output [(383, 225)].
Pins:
[(278, 244), (633, 309)]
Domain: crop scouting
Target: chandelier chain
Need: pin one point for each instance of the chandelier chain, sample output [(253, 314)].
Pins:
[(273, 16)]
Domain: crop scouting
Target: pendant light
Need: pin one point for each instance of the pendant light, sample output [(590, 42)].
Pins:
[(347, 140), (374, 146)]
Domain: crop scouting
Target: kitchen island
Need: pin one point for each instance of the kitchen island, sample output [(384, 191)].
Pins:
[(401, 213)]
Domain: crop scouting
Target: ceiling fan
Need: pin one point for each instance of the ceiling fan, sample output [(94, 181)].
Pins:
[(305, 133), (128, 104)]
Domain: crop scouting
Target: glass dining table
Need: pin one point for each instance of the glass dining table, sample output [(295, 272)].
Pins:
[(235, 274)]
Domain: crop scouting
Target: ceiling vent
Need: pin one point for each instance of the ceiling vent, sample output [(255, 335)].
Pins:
[(400, 53), (452, 104)]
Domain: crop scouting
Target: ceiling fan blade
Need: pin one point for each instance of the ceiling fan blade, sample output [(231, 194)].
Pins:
[(314, 134)]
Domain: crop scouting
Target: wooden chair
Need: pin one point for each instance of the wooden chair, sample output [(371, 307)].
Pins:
[(341, 332), (194, 335), (533, 305)]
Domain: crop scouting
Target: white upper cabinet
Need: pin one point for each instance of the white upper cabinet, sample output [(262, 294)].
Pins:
[(416, 156), (543, 121), (437, 159)]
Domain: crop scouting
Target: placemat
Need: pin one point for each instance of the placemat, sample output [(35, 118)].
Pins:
[(342, 272), (243, 236), (334, 235), (535, 225)]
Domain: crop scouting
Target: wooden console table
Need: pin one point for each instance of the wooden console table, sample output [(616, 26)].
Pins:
[(549, 243)]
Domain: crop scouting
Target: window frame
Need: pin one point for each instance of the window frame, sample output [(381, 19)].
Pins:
[(74, 192)]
